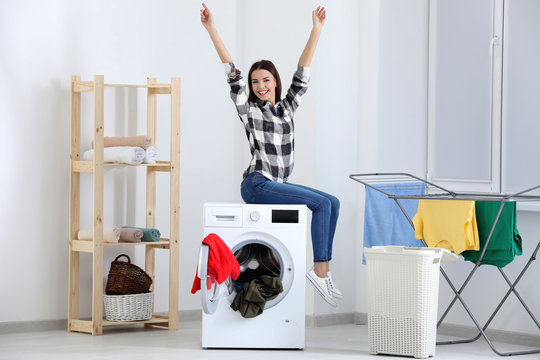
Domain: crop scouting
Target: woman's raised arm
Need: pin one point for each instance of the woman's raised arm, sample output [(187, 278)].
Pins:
[(318, 16), (207, 19)]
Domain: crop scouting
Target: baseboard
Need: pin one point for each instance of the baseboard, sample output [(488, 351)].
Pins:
[(510, 337), (31, 326), (329, 319), (360, 318), (61, 324), (336, 319), (459, 331)]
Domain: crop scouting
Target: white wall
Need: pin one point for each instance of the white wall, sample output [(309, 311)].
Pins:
[(365, 111), (41, 45), (392, 98), (337, 131), (402, 86), (128, 41)]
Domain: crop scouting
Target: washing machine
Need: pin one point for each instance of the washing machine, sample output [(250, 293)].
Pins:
[(265, 238)]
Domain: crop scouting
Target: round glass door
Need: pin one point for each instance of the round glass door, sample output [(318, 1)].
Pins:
[(210, 289)]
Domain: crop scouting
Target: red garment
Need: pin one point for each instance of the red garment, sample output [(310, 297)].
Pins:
[(221, 262)]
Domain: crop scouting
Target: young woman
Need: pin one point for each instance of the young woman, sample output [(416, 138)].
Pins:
[(268, 121)]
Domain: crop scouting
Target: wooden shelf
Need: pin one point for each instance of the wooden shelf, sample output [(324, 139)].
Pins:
[(88, 166), (87, 326), (96, 247), (155, 320), (89, 86), (88, 246)]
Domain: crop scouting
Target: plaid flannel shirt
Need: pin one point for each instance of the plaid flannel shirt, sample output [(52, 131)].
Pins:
[(269, 129)]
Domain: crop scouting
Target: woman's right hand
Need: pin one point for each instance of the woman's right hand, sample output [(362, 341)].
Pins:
[(206, 17), (318, 16), (208, 22)]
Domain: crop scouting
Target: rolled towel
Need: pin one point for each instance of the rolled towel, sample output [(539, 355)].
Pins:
[(149, 235), (111, 234), (131, 155), (150, 156), (140, 141), (130, 235)]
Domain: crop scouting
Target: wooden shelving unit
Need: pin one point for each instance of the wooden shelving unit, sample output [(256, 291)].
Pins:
[(96, 167)]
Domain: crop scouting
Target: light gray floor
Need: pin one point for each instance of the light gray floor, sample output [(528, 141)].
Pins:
[(135, 342)]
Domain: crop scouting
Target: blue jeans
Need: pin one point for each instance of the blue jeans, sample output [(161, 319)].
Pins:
[(256, 189)]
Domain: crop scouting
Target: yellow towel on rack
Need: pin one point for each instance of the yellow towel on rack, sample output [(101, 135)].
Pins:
[(448, 224)]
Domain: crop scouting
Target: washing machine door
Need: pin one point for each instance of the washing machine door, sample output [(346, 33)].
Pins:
[(210, 289)]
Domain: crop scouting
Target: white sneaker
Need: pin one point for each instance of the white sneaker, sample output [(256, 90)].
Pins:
[(322, 285), (336, 293)]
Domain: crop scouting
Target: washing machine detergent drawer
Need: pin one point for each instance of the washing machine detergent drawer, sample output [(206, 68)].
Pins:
[(219, 216)]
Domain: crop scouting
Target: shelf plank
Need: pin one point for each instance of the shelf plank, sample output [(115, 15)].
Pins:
[(155, 88), (86, 325), (175, 204), (159, 90), (80, 325), (82, 166), (155, 320), (161, 242), (88, 246), (88, 86), (83, 86), (82, 246), (126, 85), (88, 166), (97, 206), (74, 201), (160, 166)]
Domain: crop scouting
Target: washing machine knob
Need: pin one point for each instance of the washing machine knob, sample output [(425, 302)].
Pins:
[(255, 216)]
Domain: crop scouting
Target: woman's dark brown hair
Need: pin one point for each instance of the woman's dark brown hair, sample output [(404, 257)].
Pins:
[(268, 66)]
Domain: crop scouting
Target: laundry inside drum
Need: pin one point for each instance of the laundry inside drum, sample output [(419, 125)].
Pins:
[(256, 260)]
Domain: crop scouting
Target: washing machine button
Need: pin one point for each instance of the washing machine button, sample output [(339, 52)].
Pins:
[(255, 216)]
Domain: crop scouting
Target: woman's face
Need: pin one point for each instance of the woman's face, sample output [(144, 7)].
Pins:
[(264, 84)]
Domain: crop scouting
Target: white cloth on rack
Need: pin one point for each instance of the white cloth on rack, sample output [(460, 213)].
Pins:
[(150, 155), (131, 155), (111, 234)]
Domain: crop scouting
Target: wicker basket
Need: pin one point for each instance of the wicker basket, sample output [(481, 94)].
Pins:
[(126, 278), (128, 307)]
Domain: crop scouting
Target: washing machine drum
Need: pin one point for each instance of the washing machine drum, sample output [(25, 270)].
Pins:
[(256, 257)]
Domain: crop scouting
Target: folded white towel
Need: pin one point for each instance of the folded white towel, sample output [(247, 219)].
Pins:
[(132, 155), (150, 155), (111, 234)]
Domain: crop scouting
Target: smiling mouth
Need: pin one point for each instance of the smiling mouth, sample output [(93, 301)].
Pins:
[(262, 93)]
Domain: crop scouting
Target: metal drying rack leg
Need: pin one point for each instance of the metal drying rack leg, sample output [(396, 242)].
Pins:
[(510, 290), (451, 195)]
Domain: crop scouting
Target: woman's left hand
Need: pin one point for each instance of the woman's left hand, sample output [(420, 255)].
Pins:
[(318, 16)]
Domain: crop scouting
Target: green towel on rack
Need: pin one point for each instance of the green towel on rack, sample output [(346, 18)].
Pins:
[(505, 242), (149, 235)]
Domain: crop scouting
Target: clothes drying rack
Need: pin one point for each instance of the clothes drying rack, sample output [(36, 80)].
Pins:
[(433, 191)]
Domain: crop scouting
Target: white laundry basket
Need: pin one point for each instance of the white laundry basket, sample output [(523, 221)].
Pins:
[(403, 291)]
